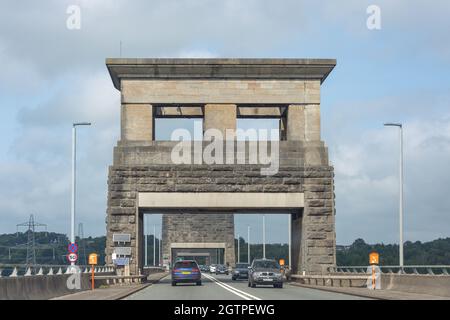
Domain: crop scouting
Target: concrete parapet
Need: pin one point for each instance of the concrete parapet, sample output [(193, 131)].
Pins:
[(412, 283), (331, 280), (432, 285), (40, 287)]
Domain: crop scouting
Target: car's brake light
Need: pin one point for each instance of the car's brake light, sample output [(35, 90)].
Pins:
[(195, 270)]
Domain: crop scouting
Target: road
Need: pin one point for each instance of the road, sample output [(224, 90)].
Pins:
[(221, 287)]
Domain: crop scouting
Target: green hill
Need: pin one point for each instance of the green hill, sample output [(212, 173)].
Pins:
[(51, 248), (436, 252)]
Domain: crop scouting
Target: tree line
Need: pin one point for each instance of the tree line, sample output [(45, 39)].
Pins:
[(51, 248)]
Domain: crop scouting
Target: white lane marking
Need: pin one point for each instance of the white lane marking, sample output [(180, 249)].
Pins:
[(226, 288), (243, 292), (231, 288)]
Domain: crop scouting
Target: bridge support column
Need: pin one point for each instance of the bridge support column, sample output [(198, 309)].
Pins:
[(137, 122), (220, 117)]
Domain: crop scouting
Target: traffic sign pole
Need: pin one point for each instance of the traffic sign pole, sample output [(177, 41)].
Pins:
[(72, 257), (374, 260), (92, 277), (93, 263)]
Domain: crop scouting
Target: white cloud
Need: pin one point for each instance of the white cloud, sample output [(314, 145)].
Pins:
[(367, 182), (37, 173), (54, 76)]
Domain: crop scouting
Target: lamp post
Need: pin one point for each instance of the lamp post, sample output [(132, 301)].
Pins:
[(159, 249), (289, 240), (146, 249), (74, 168), (248, 244), (145, 239), (154, 245), (239, 250), (264, 236), (400, 126)]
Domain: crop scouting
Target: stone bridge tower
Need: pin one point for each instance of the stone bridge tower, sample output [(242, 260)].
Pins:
[(198, 198)]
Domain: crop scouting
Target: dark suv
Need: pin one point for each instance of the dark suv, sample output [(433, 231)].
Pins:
[(265, 272), (240, 271)]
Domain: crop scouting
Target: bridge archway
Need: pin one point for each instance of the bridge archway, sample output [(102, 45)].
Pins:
[(184, 205)]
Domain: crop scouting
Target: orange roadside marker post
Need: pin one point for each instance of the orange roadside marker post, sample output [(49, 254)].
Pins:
[(374, 259), (283, 271), (93, 263)]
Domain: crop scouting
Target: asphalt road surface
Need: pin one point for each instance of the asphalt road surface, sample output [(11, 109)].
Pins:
[(221, 287)]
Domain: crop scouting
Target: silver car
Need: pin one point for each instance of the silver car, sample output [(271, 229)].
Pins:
[(265, 272), (212, 268)]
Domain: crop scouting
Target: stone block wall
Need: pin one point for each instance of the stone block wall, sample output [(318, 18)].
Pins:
[(197, 228), (315, 249), (221, 87)]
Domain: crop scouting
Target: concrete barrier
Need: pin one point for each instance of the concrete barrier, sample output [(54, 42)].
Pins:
[(40, 287), (357, 281), (423, 284), (150, 270), (435, 285)]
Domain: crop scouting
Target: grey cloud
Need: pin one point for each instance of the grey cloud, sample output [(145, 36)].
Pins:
[(37, 31), (62, 74), (367, 182), (37, 172)]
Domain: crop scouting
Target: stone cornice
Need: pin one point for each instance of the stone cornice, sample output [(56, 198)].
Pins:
[(179, 69)]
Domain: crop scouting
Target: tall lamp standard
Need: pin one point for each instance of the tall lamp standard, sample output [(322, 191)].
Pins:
[(74, 168), (146, 241), (154, 245), (289, 240), (239, 250), (400, 126), (248, 244), (264, 235), (159, 249)]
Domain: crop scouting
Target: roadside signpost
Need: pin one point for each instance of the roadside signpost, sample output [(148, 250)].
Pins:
[(93, 263), (374, 260), (72, 257), (73, 248)]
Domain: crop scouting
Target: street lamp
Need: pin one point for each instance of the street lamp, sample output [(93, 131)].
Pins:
[(239, 249), (159, 249), (264, 236), (74, 156), (146, 240), (400, 126), (248, 244), (154, 245), (289, 240)]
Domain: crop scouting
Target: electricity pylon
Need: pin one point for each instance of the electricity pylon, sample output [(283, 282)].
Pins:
[(31, 244)]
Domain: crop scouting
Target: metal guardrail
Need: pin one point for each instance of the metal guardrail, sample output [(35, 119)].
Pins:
[(19, 270), (410, 269)]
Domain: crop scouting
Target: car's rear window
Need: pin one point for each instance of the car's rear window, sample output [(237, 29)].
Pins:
[(241, 265), (185, 264), (267, 265)]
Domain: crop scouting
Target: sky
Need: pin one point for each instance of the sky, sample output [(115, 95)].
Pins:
[(52, 76)]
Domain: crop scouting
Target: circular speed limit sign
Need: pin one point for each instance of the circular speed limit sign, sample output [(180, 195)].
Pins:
[(72, 257)]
